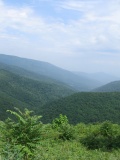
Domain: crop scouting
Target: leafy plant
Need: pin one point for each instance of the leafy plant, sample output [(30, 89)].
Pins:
[(62, 125), (100, 137), (23, 133), (106, 129), (105, 138)]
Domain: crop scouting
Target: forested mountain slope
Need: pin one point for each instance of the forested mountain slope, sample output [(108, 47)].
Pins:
[(110, 87), (85, 107), (31, 75), (43, 68), (18, 91)]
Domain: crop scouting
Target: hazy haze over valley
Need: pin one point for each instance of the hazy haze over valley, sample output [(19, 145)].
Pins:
[(81, 36)]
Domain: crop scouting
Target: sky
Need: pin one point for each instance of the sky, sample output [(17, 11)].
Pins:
[(77, 35)]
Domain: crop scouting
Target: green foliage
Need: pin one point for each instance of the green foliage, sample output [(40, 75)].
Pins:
[(106, 129), (49, 144), (62, 125), (46, 98), (107, 137), (21, 135), (85, 107), (60, 121), (21, 92)]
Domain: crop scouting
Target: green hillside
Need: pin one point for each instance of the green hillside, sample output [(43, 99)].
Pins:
[(21, 86), (79, 83), (85, 107), (29, 74), (9, 102), (18, 91), (110, 87)]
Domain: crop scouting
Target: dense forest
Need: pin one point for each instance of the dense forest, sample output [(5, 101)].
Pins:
[(21, 92), (87, 107), (51, 99)]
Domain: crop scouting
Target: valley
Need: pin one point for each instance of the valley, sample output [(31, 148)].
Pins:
[(50, 91), (79, 115)]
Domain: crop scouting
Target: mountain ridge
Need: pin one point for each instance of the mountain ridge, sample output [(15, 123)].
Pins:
[(50, 97), (109, 87), (86, 107), (15, 90), (101, 77), (47, 69)]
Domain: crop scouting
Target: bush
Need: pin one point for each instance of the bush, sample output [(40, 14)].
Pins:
[(65, 130), (21, 135), (106, 138)]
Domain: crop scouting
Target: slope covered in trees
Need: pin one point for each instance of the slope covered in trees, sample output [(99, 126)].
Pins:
[(79, 83), (29, 74), (22, 92), (110, 87), (85, 107), (46, 99)]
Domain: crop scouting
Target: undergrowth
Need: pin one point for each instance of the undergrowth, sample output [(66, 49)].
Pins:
[(27, 138)]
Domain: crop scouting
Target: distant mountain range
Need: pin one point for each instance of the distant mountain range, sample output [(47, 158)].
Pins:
[(50, 90), (101, 77), (77, 82)]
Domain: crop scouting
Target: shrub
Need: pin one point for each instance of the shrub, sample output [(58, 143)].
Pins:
[(65, 130), (21, 135), (106, 138)]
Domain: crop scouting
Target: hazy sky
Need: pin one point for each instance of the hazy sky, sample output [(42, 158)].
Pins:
[(81, 35)]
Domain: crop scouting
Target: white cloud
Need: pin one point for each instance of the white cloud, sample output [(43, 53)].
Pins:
[(96, 30)]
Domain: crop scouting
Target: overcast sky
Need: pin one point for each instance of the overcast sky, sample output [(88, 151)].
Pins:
[(79, 35)]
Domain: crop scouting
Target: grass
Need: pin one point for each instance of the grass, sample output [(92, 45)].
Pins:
[(51, 148), (72, 150)]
